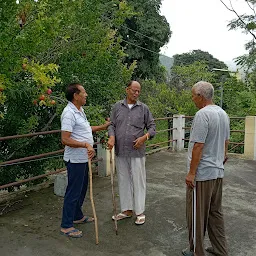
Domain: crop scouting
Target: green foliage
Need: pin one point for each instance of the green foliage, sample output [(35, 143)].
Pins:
[(163, 100), (143, 35), (199, 56), (46, 45), (185, 76), (246, 23)]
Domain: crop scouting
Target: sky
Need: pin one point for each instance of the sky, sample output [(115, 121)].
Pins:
[(202, 24)]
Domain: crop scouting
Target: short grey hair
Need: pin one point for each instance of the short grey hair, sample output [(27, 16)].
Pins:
[(205, 89)]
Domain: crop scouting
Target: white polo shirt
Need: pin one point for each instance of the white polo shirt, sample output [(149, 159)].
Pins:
[(75, 121)]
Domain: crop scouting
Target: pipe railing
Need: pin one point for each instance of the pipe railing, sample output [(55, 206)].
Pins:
[(29, 135), (59, 153), (237, 144), (169, 135), (18, 183)]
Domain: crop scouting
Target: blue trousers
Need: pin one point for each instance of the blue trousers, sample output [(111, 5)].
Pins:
[(75, 193)]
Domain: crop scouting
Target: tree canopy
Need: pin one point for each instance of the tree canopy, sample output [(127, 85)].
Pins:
[(143, 35), (198, 55)]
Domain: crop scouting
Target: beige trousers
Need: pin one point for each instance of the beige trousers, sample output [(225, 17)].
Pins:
[(131, 175)]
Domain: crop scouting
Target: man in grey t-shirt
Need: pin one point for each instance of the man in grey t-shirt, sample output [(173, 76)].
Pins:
[(206, 155)]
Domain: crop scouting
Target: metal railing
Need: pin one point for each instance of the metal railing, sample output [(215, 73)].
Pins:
[(59, 153), (155, 145), (160, 142), (232, 144)]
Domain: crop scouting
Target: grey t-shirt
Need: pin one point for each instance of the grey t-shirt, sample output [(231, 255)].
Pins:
[(211, 127)]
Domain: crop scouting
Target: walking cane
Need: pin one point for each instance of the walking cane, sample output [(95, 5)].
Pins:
[(194, 217), (113, 189), (92, 202)]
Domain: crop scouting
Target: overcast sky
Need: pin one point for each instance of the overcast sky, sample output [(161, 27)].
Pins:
[(202, 24)]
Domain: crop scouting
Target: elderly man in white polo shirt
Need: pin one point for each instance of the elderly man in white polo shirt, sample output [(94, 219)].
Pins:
[(76, 135)]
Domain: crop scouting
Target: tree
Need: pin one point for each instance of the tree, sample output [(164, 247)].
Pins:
[(143, 35), (163, 100), (198, 55), (51, 44), (246, 23), (185, 76)]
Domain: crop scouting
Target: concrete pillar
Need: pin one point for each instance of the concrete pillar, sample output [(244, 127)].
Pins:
[(178, 132), (104, 165), (250, 137), (60, 183)]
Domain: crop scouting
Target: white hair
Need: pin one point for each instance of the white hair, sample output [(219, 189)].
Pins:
[(205, 89)]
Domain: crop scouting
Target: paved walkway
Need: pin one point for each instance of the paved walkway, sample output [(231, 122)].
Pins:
[(33, 228)]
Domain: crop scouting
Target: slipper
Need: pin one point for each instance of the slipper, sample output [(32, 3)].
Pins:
[(121, 216), (140, 219), (86, 220), (210, 250), (71, 233), (187, 252)]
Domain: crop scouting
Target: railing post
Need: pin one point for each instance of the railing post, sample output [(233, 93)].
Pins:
[(104, 165), (250, 137), (169, 131), (178, 132)]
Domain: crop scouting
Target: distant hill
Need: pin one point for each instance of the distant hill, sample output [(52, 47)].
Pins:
[(167, 62)]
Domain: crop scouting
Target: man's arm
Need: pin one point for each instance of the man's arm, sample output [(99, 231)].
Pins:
[(112, 129), (196, 157), (226, 151), (100, 127), (150, 125), (151, 130), (68, 141)]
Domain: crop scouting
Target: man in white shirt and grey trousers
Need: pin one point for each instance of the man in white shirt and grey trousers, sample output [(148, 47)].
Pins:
[(207, 153)]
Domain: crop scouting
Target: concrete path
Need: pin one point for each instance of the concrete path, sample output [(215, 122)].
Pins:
[(32, 228)]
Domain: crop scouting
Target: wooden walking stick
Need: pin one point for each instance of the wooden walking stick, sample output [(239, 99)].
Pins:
[(113, 189), (92, 202)]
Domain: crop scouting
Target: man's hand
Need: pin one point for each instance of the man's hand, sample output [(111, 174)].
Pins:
[(225, 160), (190, 179), (111, 142), (139, 142), (107, 123), (90, 151), (101, 127)]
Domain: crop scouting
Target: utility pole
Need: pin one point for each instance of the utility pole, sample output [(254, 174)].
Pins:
[(222, 82)]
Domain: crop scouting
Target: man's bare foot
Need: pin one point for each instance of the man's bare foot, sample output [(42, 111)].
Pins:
[(140, 219), (128, 212), (85, 219), (123, 215), (71, 232)]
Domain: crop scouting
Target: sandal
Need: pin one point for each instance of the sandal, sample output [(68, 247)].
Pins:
[(121, 216), (210, 250), (86, 220), (72, 234), (187, 252), (140, 219)]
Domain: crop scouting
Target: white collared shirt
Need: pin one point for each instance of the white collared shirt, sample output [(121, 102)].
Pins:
[(75, 121)]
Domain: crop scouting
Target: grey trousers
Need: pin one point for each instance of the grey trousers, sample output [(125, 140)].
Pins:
[(209, 216), (131, 175)]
